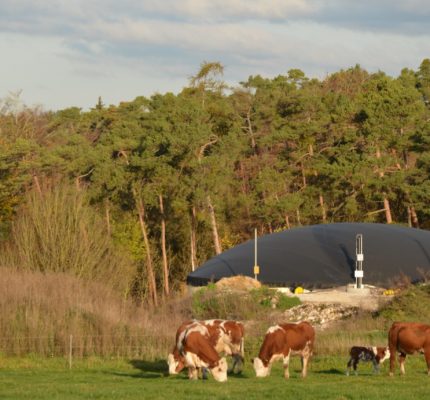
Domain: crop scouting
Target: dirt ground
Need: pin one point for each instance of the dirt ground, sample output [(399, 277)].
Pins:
[(370, 298)]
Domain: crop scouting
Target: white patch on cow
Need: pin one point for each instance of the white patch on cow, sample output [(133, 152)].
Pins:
[(375, 350), (386, 356), (198, 328), (273, 329), (220, 371), (260, 370), (210, 322), (180, 342), (194, 361), (172, 363)]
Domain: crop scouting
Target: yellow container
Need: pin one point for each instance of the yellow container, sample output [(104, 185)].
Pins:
[(299, 290)]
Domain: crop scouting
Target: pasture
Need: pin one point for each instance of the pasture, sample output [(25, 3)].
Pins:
[(95, 378)]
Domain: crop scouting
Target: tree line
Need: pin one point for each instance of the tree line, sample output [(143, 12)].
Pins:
[(177, 178)]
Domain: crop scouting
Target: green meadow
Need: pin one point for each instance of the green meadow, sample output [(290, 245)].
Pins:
[(94, 378)]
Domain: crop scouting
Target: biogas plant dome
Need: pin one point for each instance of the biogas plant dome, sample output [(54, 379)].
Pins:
[(324, 256)]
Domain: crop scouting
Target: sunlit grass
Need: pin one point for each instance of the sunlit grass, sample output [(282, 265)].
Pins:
[(39, 378)]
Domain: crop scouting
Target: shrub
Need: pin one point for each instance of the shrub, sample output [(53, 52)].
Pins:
[(208, 302), (57, 231)]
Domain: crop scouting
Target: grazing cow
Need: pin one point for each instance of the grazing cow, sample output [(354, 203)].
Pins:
[(377, 355), (280, 342), (174, 360), (227, 337), (195, 346), (408, 338)]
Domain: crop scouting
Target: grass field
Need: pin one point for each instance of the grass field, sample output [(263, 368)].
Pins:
[(37, 378)]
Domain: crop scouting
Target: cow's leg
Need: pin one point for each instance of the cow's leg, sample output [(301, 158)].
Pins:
[(237, 363), (348, 367), (375, 366), (193, 373), (354, 365), (402, 358), (427, 357), (286, 363), (305, 359)]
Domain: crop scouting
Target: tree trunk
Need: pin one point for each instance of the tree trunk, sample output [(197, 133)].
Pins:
[(302, 167), (149, 264), (414, 216), (37, 184), (387, 208), (298, 217), (193, 241), (323, 211), (287, 221), (163, 248), (107, 213), (217, 243), (409, 217), (250, 130)]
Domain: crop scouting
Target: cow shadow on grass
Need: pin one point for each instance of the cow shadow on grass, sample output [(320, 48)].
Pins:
[(159, 369), (331, 371), (150, 369), (146, 369)]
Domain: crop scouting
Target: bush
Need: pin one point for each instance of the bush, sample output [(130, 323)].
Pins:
[(208, 302), (57, 231)]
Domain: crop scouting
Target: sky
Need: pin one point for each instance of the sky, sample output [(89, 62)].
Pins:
[(64, 53)]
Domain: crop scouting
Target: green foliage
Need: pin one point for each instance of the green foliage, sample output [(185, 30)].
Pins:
[(209, 302), (57, 231), (413, 304), (271, 153)]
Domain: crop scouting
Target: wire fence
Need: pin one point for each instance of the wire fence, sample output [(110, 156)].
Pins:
[(149, 347)]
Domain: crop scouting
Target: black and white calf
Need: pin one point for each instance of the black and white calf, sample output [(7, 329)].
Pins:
[(376, 355)]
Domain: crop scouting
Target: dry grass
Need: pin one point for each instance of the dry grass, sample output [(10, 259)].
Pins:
[(39, 312), (57, 231)]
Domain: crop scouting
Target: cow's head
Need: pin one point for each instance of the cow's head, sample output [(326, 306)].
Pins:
[(175, 363), (261, 371), (382, 354), (220, 371)]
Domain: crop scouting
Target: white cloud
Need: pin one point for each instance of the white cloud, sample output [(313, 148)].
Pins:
[(70, 52)]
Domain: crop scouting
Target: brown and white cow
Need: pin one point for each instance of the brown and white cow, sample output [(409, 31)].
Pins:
[(376, 355), (282, 341), (194, 345), (408, 338), (226, 336)]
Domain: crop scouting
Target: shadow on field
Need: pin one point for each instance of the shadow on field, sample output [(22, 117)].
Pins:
[(148, 369), (331, 371)]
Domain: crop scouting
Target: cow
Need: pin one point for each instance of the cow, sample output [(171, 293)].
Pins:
[(226, 336), (194, 345), (282, 341), (174, 360), (408, 338), (377, 355)]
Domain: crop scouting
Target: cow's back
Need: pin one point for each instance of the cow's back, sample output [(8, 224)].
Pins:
[(403, 336), (300, 335)]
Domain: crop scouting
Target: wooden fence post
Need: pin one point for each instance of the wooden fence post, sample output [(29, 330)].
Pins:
[(70, 351)]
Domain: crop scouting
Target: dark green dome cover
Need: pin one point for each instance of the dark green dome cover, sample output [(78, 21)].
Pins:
[(321, 256)]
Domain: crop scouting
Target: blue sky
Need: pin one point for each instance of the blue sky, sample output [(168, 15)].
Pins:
[(63, 53)]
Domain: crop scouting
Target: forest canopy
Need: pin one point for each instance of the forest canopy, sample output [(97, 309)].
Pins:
[(149, 189)]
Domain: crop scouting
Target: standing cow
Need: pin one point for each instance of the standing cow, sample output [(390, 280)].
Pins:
[(282, 341), (375, 355), (408, 338), (198, 353), (227, 337)]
